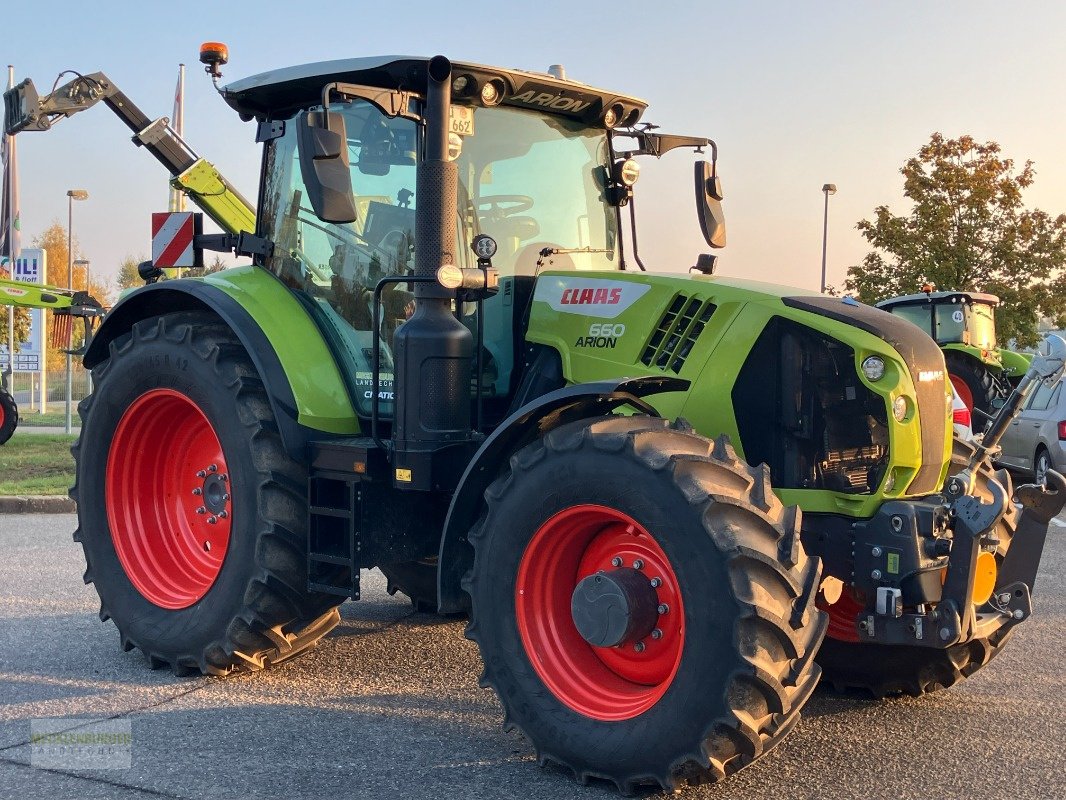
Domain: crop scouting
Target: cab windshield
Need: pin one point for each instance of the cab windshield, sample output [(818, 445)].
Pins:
[(534, 183)]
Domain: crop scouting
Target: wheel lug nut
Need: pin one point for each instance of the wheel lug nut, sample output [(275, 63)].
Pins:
[(223, 514), (663, 608), (638, 564), (656, 583), (201, 510), (213, 468), (225, 497), (201, 473), (656, 634), (639, 647), (212, 520), (616, 561), (197, 491), (224, 476), (207, 547)]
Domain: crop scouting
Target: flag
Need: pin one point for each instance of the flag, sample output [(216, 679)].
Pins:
[(177, 122)]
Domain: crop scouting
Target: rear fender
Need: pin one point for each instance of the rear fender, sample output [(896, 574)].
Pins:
[(306, 392), (530, 422)]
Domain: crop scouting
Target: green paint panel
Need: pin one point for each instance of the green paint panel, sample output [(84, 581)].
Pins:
[(316, 382), (655, 324)]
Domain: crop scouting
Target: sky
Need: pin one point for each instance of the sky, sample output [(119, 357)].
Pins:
[(796, 94)]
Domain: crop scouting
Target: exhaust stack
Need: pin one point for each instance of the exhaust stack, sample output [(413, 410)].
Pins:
[(432, 350)]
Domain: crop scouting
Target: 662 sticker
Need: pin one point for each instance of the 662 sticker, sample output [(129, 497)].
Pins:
[(602, 335)]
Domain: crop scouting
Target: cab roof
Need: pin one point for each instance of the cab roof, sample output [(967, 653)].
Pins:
[(279, 93), (938, 298)]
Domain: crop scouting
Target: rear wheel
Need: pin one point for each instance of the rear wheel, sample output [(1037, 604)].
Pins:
[(1042, 465), (848, 663), (975, 386), (643, 604), (9, 416), (191, 514)]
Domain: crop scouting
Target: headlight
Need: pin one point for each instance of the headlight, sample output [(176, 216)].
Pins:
[(873, 367), (899, 408)]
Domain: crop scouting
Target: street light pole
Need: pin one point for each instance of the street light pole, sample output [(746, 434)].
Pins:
[(827, 189), (72, 195), (84, 262)]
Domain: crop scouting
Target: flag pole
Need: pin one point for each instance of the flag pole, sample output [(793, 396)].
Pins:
[(9, 186)]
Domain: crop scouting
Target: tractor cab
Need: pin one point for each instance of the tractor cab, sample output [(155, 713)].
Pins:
[(966, 318), (538, 169)]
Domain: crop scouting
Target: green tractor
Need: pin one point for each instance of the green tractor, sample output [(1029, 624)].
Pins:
[(654, 494), (964, 325)]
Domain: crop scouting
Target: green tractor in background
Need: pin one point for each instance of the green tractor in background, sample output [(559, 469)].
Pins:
[(964, 325), (654, 494)]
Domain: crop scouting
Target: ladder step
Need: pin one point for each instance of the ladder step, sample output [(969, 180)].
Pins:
[(326, 511), (329, 589), (326, 558)]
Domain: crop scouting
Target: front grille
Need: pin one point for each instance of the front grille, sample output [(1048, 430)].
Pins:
[(676, 334), (921, 354)]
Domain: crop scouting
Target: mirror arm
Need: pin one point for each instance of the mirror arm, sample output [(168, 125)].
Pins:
[(390, 102), (659, 144)]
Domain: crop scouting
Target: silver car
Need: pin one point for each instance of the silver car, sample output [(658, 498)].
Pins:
[(1036, 441)]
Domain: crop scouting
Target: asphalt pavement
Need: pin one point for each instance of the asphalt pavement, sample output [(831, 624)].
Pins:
[(388, 706)]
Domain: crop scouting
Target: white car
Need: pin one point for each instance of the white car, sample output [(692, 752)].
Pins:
[(960, 417)]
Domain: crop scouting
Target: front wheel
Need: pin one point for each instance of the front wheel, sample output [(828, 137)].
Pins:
[(191, 514), (643, 604), (9, 416)]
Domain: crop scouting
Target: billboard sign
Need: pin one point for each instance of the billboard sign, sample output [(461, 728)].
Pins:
[(31, 267)]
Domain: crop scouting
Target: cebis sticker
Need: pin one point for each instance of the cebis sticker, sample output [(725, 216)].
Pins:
[(589, 297)]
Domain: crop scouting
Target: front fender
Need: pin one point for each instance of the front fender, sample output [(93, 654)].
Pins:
[(530, 422), (301, 377)]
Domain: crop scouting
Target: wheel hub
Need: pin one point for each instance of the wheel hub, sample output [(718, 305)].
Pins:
[(614, 608)]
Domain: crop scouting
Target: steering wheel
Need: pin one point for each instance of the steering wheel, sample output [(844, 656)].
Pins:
[(498, 206)]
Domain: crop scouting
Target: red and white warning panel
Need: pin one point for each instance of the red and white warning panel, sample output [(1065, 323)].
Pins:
[(173, 238)]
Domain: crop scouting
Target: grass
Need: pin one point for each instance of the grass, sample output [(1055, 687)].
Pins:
[(35, 419), (36, 464)]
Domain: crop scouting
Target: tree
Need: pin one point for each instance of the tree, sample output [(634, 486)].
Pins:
[(128, 277), (968, 230), (53, 240)]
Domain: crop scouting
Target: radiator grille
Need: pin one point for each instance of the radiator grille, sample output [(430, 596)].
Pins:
[(676, 334)]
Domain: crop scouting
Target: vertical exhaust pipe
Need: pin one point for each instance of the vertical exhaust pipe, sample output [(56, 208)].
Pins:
[(432, 350)]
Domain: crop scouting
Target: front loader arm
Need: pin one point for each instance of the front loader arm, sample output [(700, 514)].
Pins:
[(26, 110), (65, 303)]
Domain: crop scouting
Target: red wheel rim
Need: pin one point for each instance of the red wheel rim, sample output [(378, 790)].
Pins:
[(168, 500), (962, 390), (842, 616), (605, 683)]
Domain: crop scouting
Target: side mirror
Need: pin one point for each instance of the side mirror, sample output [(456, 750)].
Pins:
[(322, 142), (709, 204)]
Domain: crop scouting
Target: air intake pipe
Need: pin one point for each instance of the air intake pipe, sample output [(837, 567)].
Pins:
[(432, 350)]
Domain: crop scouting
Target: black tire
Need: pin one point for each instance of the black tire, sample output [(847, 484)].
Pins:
[(417, 580), (883, 670), (257, 611), (1042, 464), (746, 665), (980, 382), (9, 416)]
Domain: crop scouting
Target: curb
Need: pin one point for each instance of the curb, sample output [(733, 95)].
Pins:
[(37, 504)]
